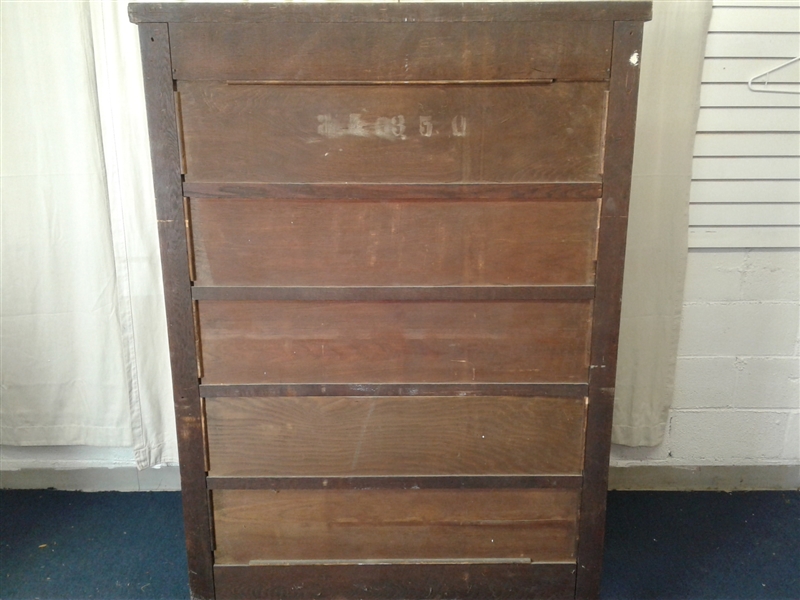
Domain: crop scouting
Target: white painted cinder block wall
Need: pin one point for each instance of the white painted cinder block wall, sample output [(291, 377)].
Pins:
[(737, 399), (737, 396)]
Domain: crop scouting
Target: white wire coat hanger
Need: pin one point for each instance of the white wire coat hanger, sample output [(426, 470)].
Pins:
[(760, 83)]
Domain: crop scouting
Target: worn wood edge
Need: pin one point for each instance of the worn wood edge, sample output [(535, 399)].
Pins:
[(533, 390), (411, 12), (424, 482), (621, 123), (389, 191), (479, 581), (399, 293), (165, 155), (404, 561)]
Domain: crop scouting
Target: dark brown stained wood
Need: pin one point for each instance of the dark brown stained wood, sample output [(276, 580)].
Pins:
[(371, 191), (389, 12), (165, 155), (394, 342), (379, 243), (391, 51), (605, 334), (288, 525), (550, 390), (355, 436), (458, 482), (440, 294), (392, 134), (398, 582)]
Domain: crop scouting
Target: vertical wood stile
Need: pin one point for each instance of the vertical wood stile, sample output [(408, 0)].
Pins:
[(624, 86), (165, 154)]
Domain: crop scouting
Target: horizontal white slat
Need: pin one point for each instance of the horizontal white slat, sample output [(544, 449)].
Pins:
[(744, 237), (745, 191), (753, 45), (738, 94), (715, 215), (742, 70), (756, 3), (750, 167), (760, 18), (748, 119), (747, 144)]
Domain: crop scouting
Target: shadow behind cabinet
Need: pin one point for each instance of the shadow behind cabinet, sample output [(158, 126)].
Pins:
[(392, 241)]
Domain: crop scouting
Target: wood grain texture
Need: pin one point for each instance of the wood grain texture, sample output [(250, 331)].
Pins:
[(398, 582), (389, 12), (379, 243), (390, 191), (394, 436), (394, 342), (606, 314), (539, 525), (428, 482), (391, 51), (393, 133), (397, 293), (165, 156), (549, 390)]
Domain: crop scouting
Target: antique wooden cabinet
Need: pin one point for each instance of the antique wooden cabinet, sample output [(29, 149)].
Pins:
[(392, 240)]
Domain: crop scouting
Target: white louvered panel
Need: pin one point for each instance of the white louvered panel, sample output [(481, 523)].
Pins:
[(749, 119), (738, 94), (756, 3), (747, 144), (755, 19), (750, 167), (753, 45), (742, 70), (745, 191), (716, 215), (744, 237)]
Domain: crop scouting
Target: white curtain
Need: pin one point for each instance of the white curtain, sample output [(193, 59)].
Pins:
[(84, 350), (658, 224)]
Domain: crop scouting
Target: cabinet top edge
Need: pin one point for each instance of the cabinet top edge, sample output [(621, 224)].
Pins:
[(384, 12)]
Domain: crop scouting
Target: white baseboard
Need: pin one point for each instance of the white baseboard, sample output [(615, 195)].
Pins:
[(129, 479), (707, 478), (120, 479)]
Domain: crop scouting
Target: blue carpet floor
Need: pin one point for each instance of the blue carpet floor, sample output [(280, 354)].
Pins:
[(72, 545)]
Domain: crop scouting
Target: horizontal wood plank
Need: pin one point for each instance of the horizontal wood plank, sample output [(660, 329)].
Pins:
[(744, 237), (752, 45), (454, 581), (718, 214), (745, 191), (747, 144), (356, 436), (379, 52), (380, 243), (388, 13), (313, 525), (549, 390), (397, 293), (371, 191), (746, 167), (394, 342), (749, 119), (392, 134), (443, 482)]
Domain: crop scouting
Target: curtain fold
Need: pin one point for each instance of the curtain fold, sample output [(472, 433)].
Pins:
[(658, 224)]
